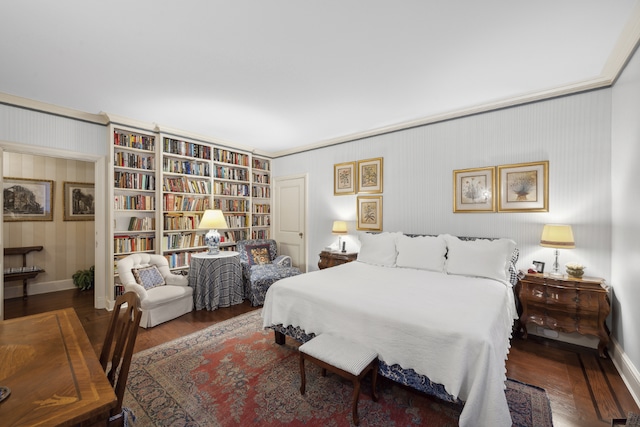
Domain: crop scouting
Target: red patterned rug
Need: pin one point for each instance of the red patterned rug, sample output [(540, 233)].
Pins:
[(233, 374)]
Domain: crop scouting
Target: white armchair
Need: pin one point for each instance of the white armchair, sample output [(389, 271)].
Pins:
[(163, 296)]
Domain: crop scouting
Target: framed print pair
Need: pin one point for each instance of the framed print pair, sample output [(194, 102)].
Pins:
[(520, 187), (364, 176)]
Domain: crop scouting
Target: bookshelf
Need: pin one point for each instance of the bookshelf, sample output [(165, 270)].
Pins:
[(232, 194), (186, 194), (261, 198), (133, 195)]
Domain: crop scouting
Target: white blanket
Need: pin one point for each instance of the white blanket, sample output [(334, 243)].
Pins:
[(453, 329)]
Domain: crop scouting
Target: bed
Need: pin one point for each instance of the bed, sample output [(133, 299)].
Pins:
[(438, 310)]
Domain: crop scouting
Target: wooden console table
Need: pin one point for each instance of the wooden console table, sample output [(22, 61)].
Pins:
[(25, 272)]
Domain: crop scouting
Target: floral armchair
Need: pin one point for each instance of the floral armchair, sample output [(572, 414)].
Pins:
[(261, 267)]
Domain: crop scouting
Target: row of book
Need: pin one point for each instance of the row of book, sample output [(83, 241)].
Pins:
[(260, 234), (261, 192), (226, 156), (261, 164), (132, 140), (261, 208), (229, 189), (181, 241), (233, 236), (133, 160), (186, 167), (260, 178), (144, 223), (231, 205), (178, 259), (185, 185), (261, 220), (181, 222), (236, 221), (126, 244), (224, 172), (177, 202), (138, 202), (134, 181), (184, 148)]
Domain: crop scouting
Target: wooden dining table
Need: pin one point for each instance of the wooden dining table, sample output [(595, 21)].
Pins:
[(52, 371)]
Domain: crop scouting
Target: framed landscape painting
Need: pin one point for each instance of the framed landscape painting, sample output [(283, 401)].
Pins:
[(473, 190), (524, 187), (27, 199), (370, 175), (369, 213), (79, 201), (344, 178)]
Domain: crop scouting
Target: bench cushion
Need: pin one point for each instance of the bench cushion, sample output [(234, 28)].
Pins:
[(338, 352)]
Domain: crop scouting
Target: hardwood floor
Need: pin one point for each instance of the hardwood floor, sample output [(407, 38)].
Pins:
[(585, 390)]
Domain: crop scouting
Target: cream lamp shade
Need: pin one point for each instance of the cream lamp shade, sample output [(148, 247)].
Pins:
[(558, 236), (212, 220)]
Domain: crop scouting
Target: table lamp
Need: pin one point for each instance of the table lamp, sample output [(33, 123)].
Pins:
[(212, 220), (340, 229), (557, 236)]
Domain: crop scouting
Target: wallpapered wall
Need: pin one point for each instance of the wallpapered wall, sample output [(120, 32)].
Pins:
[(68, 245), (573, 133)]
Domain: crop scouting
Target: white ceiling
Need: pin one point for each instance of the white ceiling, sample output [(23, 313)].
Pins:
[(281, 74)]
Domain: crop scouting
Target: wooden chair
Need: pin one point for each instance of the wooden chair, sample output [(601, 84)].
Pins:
[(117, 349)]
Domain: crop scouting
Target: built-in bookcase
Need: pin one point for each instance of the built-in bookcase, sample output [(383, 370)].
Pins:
[(186, 194), (232, 194), (133, 196), (260, 198)]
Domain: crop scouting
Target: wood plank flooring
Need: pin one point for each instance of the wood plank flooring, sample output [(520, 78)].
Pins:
[(584, 390)]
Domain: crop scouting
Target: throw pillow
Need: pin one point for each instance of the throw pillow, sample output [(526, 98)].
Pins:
[(148, 277), (258, 254), (378, 249)]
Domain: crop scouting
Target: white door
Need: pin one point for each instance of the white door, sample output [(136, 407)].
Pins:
[(290, 219)]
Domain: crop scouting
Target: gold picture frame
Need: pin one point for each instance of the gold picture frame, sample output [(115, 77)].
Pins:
[(79, 201), (370, 175), (369, 212), (28, 199), (344, 178), (524, 187), (473, 190)]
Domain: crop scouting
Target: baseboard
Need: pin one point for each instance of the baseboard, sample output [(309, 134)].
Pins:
[(628, 372), (15, 291)]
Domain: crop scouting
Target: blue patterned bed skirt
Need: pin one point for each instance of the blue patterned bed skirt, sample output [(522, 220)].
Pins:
[(407, 377)]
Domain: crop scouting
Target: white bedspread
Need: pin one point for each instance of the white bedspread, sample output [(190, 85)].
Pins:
[(453, 329)]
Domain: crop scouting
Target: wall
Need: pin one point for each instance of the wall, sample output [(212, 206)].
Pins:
[(572, 132), (626, 222), (68, 245)]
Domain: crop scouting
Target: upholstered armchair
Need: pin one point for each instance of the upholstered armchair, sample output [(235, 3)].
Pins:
[(163, 295), (261, 267)]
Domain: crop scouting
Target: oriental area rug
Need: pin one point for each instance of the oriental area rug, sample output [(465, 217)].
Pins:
[(233, 374)]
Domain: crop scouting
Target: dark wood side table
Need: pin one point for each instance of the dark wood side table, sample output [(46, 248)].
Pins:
[(333, 258), (566, 304)]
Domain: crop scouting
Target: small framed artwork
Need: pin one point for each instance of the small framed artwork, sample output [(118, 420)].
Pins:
[(523, 187), (369, 213), (344, 178), (539, 265), (79, 201), (370, 175), (28, 199), (473, 190)]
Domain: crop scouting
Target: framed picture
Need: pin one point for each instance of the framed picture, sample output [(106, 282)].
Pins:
[(370, 175), (539, 266), (473, 190), (524, 187), (79, 201), (369, 213), (344, 178), (28, 199)]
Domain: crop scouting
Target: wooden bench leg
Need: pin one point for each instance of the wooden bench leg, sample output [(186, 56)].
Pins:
[(356, 395), (374, 380), (303, 378)]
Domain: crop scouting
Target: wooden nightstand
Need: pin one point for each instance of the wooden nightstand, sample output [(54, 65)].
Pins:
[(333, 258), (566, 304)]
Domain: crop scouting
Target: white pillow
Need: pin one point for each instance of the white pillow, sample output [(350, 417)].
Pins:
[(378, 249), (479, 258), (422, 252)]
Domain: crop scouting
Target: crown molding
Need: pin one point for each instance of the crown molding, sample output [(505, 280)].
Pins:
[(56, 110)]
